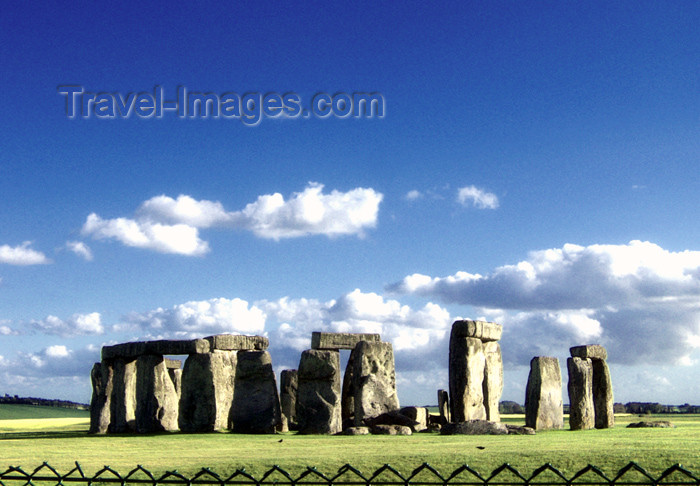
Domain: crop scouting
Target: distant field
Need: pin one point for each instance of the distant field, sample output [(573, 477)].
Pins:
[(63, 441), (11, 412)]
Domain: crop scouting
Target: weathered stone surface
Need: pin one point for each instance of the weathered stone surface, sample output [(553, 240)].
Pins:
[(544, 407), (650, 424), (136, 349), (486, 331), (518, 430), (356, 431), (602, 395), (318, 397), (256, 404), (207, 391), (156, 398), (390, 430), (123, 403), (236, 342), (176, 378), (172, 364), (474, 427), (581, 414), (347, 411), (283, 425), (289, 385), (419, 415), (466, 370), (100, 416), (592, 351), (493, 380), (334, 340), (391, 418), (444, 406), (374, 380)]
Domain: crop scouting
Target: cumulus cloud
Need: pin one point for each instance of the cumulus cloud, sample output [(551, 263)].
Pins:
[(198, 318), (413, 195), (479, 198), (638, 299), (76, 325), (52, 361), (22, 255), (80, 249), (6, 330), (310, 212), (170, 225)]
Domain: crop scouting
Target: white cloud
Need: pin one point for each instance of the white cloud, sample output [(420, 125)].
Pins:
[(170, 225), (76, 325), (177, 238), (311, 212), (22, 255), (477, 197), (80, 249), (638, 299), (199, 318), (413, 195)]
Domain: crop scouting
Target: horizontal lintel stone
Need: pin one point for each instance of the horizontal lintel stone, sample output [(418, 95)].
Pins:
[(340, 340), (486, 331), (140, 348), (593, 351), (236, 342)]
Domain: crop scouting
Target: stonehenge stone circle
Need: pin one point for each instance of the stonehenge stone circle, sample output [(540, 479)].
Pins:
[(544, 408), (318, 395), (373, 380), (289, 384), (256, 406), (591, 397), (207, 391), (581, 412)]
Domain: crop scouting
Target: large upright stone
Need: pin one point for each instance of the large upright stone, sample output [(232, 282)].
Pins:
[(466, 369), (348, 391), (156, 398), (100, 416), (602, 395), (485, 331), (207, 391), (493, 380), (123, 403), (581, 412), (340, 340), (374, 380), (318, 396), (289, 385), (443, 406), (256, 404), (543, 401)]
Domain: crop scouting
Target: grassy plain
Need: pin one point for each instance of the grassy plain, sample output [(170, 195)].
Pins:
[(61, 442)]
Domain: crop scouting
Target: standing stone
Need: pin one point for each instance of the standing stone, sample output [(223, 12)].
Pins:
[(443, 406), (581, 414), (602, 395), (543, 401), (348, 392), (176, 378), (493, 380), (156, 398), (374, 380), (466, 368), (207, 391), (289, 384), (256, 404), (318, 397), (123, 403), (101, 377)]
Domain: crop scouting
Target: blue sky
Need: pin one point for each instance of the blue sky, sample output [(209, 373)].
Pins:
[(536, 165)]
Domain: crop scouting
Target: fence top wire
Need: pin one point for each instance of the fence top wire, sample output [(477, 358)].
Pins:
[(631, 474)]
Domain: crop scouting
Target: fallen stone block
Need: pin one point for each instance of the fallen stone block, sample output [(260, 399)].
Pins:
[(390, 430), (651, 424), (419, 415), (392, 418), (356, 431), (519, 430), (474, 427), (336, 340), (486, 331)]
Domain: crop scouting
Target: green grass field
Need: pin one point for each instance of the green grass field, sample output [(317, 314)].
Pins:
[(62, 441)]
